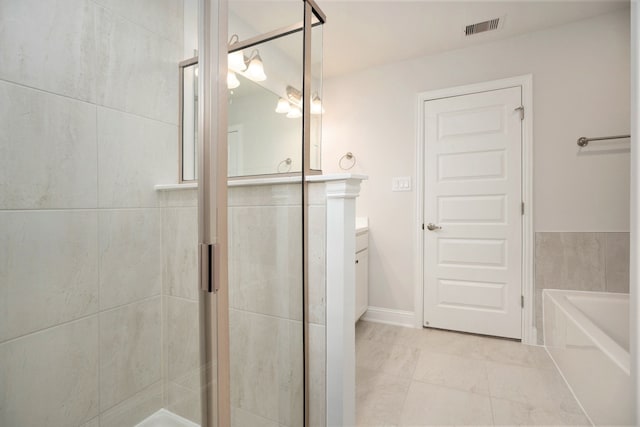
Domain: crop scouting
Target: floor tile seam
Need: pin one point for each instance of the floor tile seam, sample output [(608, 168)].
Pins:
[(404, 402), (521, 365), (486, 376), (544, 408), (449, 387), (452, 388)]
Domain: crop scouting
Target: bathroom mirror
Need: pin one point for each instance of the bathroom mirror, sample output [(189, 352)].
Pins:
[(264, 109), (188, 124)]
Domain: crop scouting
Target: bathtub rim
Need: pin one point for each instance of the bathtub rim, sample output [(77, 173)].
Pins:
[(605, 343)]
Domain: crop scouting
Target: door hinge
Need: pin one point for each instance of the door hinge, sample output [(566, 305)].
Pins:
[(522, 301), (521, 109), (522, 208), (423, 226)]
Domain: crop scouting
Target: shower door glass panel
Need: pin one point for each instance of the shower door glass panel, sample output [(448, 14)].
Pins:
[(265, 230), (98, 270)]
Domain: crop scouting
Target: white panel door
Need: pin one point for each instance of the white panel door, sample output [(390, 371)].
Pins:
[(472, 265)]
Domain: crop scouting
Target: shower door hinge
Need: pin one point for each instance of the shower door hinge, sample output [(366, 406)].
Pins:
[(521, 109), (521, 301)]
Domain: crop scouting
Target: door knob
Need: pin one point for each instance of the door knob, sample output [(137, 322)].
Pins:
[(432, 227)]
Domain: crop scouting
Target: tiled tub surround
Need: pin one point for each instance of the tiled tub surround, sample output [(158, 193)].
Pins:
[(88, 123), (584, 261), (587, 335)]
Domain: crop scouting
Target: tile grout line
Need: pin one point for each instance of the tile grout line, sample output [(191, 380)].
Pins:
[(94, 103)]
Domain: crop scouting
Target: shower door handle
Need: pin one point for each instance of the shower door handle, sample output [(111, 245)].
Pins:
[(209, 262)]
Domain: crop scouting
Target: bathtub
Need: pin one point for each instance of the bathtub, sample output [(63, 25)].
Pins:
[(587, 336)]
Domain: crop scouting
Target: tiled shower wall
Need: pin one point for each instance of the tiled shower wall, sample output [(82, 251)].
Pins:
[(580, 261), (88, 125)]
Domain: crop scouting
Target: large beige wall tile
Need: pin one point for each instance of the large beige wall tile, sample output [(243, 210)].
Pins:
[(130, 256), (265, 260), (180, 252), (162, 17), (183, 343), (48, 269), (617, 262), (267, 366), (317, 264), (137, 70), (135, 409), (178, 198), (49, 45), (135, 154), (317, 376), (48, 148), (50, 378), (266, 195), (184, 402), (242, 418), (130, 350), (570, 261)]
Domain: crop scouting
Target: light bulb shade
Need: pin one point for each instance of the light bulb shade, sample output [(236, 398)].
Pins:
[(283, 106), (316, 106), (255, 70), (232, 80), (294, 112), (236, 61)]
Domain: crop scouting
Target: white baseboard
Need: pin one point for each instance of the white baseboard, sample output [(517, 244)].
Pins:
[(390, 317)]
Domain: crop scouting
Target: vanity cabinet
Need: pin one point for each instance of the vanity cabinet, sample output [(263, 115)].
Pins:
[(362, 272)]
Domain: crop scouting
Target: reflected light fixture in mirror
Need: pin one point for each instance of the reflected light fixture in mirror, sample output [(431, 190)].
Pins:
[(236, 59), (316, 105), (283, 106), (232, 80), (255, 69), (294, 102), (294, 112)]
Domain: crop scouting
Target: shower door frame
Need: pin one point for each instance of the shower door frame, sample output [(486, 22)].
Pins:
[(212, 200)]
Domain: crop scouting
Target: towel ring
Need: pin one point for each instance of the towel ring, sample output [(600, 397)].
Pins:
[(286, 163), (349, 157)]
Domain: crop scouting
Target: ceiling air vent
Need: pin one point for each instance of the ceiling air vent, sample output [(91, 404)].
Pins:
[(481, 27)]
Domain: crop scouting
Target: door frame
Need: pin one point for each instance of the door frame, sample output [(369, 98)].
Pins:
[(529, 333)]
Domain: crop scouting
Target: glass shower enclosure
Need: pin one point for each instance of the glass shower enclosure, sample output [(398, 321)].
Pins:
[(127, 298)]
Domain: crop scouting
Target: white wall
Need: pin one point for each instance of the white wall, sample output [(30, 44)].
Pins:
[(581, 88)]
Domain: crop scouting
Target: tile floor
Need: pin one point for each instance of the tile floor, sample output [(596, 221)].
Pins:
[(413, 377)]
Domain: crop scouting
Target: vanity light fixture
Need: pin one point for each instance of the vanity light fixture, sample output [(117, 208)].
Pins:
[(255, 69)]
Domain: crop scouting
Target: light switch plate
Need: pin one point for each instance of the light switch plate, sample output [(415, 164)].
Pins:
[(401, 183)]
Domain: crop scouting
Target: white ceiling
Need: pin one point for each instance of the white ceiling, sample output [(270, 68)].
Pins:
[(361, 34)]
